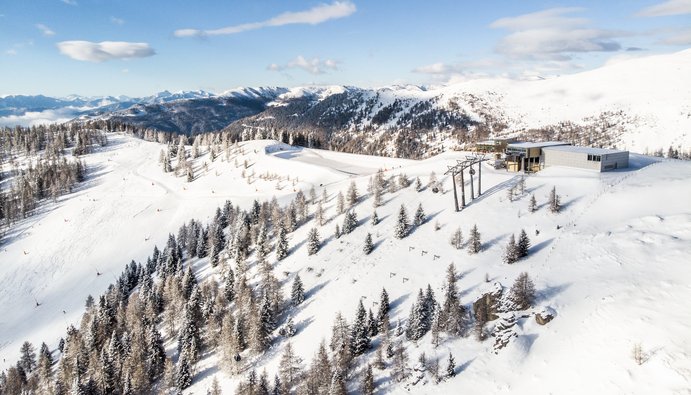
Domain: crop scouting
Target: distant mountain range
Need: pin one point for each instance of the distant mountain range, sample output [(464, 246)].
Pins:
[(641, 104)]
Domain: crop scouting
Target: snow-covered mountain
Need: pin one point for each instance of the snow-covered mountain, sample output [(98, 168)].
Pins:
[(610, 268), (639, 104)]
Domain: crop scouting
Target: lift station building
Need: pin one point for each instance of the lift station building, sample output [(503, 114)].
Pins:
[(534, 156)]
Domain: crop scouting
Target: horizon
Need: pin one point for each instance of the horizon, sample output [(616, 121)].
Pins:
[(60, 48)]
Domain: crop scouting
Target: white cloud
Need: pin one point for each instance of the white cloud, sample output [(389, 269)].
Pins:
[(670, 7), (45, 30), (103, 51), (313, 16), (680, 37), (313, 66), (552, 34), (11, 52), (33, 118), (70, 2), (117, 21)]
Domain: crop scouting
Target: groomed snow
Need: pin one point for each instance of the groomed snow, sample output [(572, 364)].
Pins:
[(613, 265)]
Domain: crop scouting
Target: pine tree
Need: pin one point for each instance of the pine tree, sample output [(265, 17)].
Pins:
[(400, 363), (353, 196), (554, 201), (402, 226), (522, 292), (282, 244), (313, 243), (183, 375), (375, 218), (511, 252), (474, 244), (452, 312), (262, 242), (340, 203), (368, 246), (367, 385), (451, 367), (337, 232), (532, 207), (418, 184), (229, 286), (383, 313), (349, 222), (215, 387), (319, 214), (457, 239), (359, 336), (523, 244), (28, 357), (419, 215), (297, 294)]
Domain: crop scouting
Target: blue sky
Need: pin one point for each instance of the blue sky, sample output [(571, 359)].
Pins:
[(128, 47)]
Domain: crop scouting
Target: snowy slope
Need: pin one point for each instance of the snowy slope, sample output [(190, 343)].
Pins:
[(616, 271)]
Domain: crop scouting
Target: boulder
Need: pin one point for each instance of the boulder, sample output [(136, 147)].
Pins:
[(544, 315)]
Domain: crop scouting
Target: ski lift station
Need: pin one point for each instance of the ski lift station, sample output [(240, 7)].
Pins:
[(533, 156)]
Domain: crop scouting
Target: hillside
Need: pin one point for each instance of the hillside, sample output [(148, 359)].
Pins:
[(611, 265)]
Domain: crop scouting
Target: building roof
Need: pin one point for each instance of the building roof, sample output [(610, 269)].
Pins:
[(536, 145), (584, 150)]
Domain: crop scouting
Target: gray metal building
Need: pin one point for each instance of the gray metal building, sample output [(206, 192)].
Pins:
[(599, 159)]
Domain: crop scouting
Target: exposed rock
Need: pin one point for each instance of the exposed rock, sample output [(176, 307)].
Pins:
[(544, 315), (487, 307), (504, 331)]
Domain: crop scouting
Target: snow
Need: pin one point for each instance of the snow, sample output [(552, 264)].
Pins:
[(612, 267)]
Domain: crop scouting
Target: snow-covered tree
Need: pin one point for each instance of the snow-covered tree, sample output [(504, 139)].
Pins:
[(523, 245), (319, 214), (368, 246), (532, 206), (451, 367), (367, 386), (297, 293), (340, 203), (359, 337), (511, 251), (420, 217), (554, 201), (313, 242), (349, 222), (457, 239), (522, 292), (353, 196), (402, 225), (375, 218), (474, 244), (290, 368), (282, 243)]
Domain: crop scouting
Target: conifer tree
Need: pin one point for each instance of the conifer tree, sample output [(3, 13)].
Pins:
[(554, 201), (262, 242), (319, 214), (229, 286), (451, 367), (337, 232), (340, 203), (297, 294), (28, 357), (452, 312), (418, 184), (400, 363), (522, 292), (183, 375), (532, 207), (349, 222), (282, 243), (511, 252), (474, 244), (383, 313), (290, 368), (352, 194), (402, 226), (359, 336), (375, 218), (367, 385), (523, 244), (313, 243), (419, 215), (368, 246), (457, 239)]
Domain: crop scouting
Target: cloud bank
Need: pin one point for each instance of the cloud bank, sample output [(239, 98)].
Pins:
[(313, 16), (313, 66), (107, 50), (667, 8)]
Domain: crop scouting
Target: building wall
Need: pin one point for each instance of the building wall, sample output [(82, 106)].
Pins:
[(607, 162), (619, 160), (570, 159)]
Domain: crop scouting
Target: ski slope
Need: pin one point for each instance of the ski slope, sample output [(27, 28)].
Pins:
[(613, 264)]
